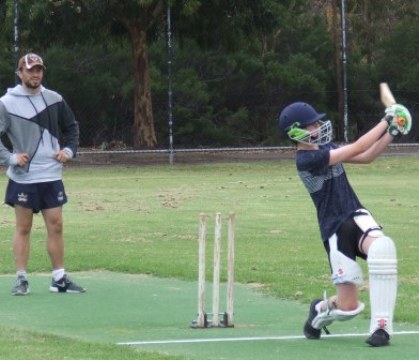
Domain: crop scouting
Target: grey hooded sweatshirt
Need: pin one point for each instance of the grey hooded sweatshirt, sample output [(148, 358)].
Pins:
[(36, 124)]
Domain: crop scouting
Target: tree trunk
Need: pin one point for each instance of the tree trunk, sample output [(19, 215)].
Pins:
[(143, 126)]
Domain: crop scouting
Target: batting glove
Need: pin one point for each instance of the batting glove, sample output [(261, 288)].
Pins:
[(398, 119)]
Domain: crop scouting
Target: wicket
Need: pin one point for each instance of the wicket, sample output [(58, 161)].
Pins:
[(202, 320)]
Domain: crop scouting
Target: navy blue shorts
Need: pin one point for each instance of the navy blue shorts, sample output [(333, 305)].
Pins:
[(37, 196), (349, 235)]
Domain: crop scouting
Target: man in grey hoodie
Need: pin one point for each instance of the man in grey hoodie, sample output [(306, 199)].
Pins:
[(44, 135)]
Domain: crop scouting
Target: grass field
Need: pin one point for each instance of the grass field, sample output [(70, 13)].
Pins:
[(145, 221)]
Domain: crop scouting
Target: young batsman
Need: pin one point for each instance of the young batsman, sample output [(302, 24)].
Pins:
[(348, 230)]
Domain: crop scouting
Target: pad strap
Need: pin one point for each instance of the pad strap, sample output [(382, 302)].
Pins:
[(326, 316)]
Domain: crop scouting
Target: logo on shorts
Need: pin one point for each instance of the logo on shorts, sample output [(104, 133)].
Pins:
[(60, 196), (22, 197)]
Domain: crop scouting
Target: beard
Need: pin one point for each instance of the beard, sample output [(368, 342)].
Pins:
[(30, 84)]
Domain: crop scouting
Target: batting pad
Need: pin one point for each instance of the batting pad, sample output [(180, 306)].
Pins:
[(382, 269)]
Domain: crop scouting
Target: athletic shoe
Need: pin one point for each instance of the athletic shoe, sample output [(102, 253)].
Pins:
[(65, 285), (309, 331), (379, 337), (21, 286)]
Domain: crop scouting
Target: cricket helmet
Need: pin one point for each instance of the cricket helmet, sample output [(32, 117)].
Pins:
[(297, 116)]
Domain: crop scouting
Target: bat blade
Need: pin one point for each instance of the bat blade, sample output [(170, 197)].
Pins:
[(386, 95)]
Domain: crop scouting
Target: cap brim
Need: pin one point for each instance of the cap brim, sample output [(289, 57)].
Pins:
[(33, 65)]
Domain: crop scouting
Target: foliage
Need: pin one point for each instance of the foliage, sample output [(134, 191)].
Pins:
[(235, 64), (82, 73), (232, 98), (236, 21), (7, 66)]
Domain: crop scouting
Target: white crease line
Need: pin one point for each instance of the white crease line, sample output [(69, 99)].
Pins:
[(249, 338)]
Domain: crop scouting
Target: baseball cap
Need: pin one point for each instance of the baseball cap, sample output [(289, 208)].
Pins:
[(30, 60)]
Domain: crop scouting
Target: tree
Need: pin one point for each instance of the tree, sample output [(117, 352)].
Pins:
[(87, 19), (236, 63), (6, 43), (237, 25), (138, 18)]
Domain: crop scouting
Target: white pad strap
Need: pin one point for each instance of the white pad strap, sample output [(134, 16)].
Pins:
[(341, 315), (382, 269), (367, 224), (327, 316), (344, 269)]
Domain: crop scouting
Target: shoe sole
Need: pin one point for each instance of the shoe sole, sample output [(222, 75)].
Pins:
[(311, 333), (21, 293), (378, 340), (378, 343)]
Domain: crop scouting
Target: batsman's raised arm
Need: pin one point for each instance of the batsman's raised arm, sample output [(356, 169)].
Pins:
[(399, 122), (353, 152)]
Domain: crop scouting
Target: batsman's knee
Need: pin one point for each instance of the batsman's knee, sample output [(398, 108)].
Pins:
[(382, 256)]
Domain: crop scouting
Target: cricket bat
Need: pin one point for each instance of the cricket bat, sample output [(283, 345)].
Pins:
[(386, 95), (404, 122)]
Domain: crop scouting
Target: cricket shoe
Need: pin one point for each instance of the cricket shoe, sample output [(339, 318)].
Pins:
[(21, 287), (378, 338), (309, 331), (316, 321), (65, 285)]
